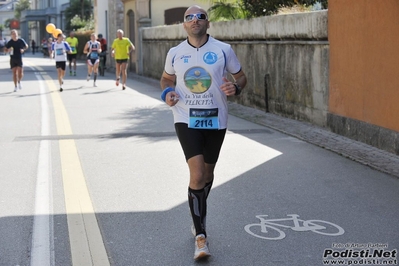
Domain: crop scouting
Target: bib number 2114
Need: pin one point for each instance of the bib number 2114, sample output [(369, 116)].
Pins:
[(204, 119)]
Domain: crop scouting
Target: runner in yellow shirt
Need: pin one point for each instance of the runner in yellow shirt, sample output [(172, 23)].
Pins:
[(73, 43), (121, 49)]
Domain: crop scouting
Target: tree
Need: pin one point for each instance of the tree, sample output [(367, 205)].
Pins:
[(225, 10), (257, 8), (82, 25), (81, 7), (21, 6), (229, 9), (7, 23), (1, 31)]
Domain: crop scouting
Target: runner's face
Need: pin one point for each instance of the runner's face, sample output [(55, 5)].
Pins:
[(196, 28), (14, 35), (119, 35)]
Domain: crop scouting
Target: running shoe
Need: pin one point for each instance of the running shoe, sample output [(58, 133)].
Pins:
[(117, 82), (94, 84), (15, 89), (88, 77), (19, 86), (201, 247), (61, 89), (123, 87)]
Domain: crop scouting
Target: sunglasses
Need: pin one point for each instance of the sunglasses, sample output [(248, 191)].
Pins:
[(199, 16)]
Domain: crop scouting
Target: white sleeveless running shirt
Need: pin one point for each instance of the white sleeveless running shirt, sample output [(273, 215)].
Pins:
[(93, 47)]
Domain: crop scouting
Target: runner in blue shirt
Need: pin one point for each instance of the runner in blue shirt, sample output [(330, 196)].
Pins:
[(60, 49)]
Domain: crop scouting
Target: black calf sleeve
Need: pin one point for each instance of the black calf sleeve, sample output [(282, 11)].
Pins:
[(197, 203), (207, 188)]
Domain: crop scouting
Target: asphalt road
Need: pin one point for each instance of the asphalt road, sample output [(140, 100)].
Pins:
[(96, 176)]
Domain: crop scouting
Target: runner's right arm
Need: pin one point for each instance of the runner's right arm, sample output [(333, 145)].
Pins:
[(86, 50), (168, 81)]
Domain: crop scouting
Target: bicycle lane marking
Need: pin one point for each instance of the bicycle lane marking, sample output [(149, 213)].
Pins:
[(315, 226), (86, 242)]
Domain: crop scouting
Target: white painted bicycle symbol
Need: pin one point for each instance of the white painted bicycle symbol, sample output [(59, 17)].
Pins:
[(267, 229)]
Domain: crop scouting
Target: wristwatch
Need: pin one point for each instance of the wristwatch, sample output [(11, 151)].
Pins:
[(238, 89)]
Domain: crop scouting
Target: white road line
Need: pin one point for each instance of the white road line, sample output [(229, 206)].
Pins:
[(86, 242), (42, 235)]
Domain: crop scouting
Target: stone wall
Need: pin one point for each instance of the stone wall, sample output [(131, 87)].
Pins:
[(285, 57), (115, 22)]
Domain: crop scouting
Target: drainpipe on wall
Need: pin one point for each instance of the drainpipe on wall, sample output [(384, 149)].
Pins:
[(140, 70)]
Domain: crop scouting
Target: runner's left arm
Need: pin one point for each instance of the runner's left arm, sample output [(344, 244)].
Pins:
[(131, 47), (67, 47), (99, 49), (24, 47)]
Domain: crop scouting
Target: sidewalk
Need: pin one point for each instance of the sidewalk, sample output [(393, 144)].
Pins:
[(357, 151)]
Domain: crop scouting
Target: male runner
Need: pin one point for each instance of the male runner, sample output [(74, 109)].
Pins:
[(16, 47), (73, 43), (198, 66), (121, 49), (104, 47)]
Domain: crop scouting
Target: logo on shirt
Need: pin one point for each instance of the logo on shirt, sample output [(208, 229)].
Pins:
[(185, 58), (197, 80), (210, 58)]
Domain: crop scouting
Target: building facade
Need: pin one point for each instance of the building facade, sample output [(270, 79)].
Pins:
[(132, 15), (33, 22), (6, 13), (364, 73)]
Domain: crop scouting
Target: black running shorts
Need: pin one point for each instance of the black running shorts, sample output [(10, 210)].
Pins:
[(15, 62), (200, 141), (121, 61), (71, 57), (61, 65)]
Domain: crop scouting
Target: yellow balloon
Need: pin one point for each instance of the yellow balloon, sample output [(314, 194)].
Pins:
[(50, 28), (56, 32)]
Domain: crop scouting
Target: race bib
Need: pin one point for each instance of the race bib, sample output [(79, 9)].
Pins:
[(59, 51), (204, 118), (93, 55), (73, 49)]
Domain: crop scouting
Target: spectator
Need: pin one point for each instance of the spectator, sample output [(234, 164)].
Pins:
[(2, 45), (104, 47), (33, 46)]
